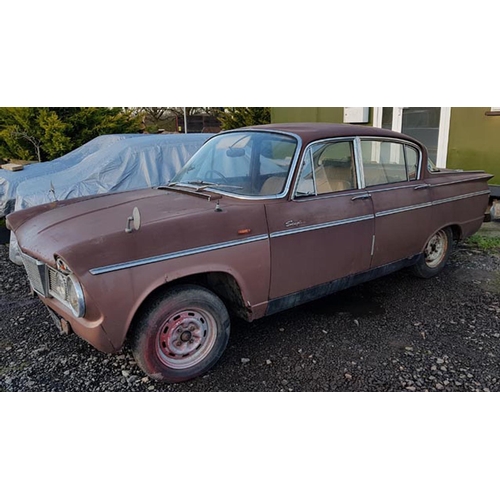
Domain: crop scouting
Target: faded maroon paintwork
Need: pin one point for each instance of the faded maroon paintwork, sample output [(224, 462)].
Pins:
[(89, 233)]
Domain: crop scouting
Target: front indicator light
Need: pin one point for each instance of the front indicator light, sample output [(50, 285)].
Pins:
[(62, 266)]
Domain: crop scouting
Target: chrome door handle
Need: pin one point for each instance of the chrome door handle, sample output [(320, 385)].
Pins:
[(361, 197), (423, 186)]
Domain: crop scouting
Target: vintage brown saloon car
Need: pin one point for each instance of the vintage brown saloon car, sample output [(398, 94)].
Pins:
[(261, 219)]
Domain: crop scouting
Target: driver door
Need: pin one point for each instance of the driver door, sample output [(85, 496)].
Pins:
[(325, 232)]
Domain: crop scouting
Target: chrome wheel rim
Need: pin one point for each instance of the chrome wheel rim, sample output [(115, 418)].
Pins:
[(436, 249), (186, 338)]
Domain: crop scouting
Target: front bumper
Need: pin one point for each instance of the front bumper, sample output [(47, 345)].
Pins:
[(90, 331)]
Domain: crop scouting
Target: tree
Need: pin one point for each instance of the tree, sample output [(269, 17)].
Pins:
[(87, 123), (55, 140), (47, 133), (15, 134), (20, 133), (169, 118), (243, 117), (179, 112), (153, 114)]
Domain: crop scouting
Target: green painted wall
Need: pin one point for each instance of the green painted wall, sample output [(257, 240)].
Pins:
[(474, 142), (287, 115)]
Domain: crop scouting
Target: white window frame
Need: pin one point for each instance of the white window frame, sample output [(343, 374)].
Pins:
[(443, 136)]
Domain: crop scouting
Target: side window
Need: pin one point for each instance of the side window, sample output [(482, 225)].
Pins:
[(306, 185), (431, 167), (411, 155), (327, 167), (383, 162)]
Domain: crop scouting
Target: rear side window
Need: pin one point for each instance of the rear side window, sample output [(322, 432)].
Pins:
[(386, 162)]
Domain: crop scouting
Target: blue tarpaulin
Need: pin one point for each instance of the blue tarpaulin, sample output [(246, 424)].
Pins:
[(9, 181)]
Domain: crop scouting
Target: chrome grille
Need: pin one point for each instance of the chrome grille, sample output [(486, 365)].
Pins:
[(37, 274), (50, 282)]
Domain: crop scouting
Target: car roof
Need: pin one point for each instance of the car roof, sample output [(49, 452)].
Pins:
[(309, 132)]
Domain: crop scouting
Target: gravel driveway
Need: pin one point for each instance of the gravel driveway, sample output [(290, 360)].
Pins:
[(397, 333)]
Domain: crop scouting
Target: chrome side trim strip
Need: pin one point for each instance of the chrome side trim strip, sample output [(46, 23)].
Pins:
[(461, 197), (450, 183), (403, 209), (175, 255), (373, 189), (458, 181), (334, 194), (428, 204), (277, 234), (323, 225)]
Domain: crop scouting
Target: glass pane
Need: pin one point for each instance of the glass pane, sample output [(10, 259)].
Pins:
[(305, 186), (383, 162), (411, 162), (423, 125), (250, 163), (387, 118), (334, 168)]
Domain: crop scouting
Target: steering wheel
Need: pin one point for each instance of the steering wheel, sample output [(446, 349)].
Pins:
[(210, 176)]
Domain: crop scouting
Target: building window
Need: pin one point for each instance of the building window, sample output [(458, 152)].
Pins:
[(428, 125), (493, 112)]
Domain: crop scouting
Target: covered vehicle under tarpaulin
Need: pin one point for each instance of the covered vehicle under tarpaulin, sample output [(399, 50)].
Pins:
[(9, 181), (139, 162)]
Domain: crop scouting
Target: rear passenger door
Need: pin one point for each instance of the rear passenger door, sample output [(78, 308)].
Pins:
[(401, 201)]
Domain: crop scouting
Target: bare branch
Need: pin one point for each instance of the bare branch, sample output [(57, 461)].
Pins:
[(21, 134)]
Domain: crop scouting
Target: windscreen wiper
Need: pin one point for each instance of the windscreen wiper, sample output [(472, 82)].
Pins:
[(198, 185), (207, 184)]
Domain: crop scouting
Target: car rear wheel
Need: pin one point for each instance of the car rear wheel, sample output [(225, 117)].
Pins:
[(181, 334), (436, 254)]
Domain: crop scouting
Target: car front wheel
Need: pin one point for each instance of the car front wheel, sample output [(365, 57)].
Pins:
[(436, 254), (181, 334)]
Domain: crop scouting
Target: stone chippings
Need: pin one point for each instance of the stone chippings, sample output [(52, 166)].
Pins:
[(398, 333)]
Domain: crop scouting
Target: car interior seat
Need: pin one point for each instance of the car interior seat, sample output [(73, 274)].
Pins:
[(273, 185)]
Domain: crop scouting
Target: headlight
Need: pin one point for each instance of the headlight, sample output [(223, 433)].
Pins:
[(67, 289), (75, 296), (58, 285)]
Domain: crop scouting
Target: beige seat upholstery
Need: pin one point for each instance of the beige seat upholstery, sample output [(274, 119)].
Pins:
[(273, 185), (340, 186), (331, 178)]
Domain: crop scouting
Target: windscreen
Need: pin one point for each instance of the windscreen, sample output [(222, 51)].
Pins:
[(245, 162)]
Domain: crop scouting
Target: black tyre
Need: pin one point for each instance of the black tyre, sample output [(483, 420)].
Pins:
[(436, 254), (181, 334)]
